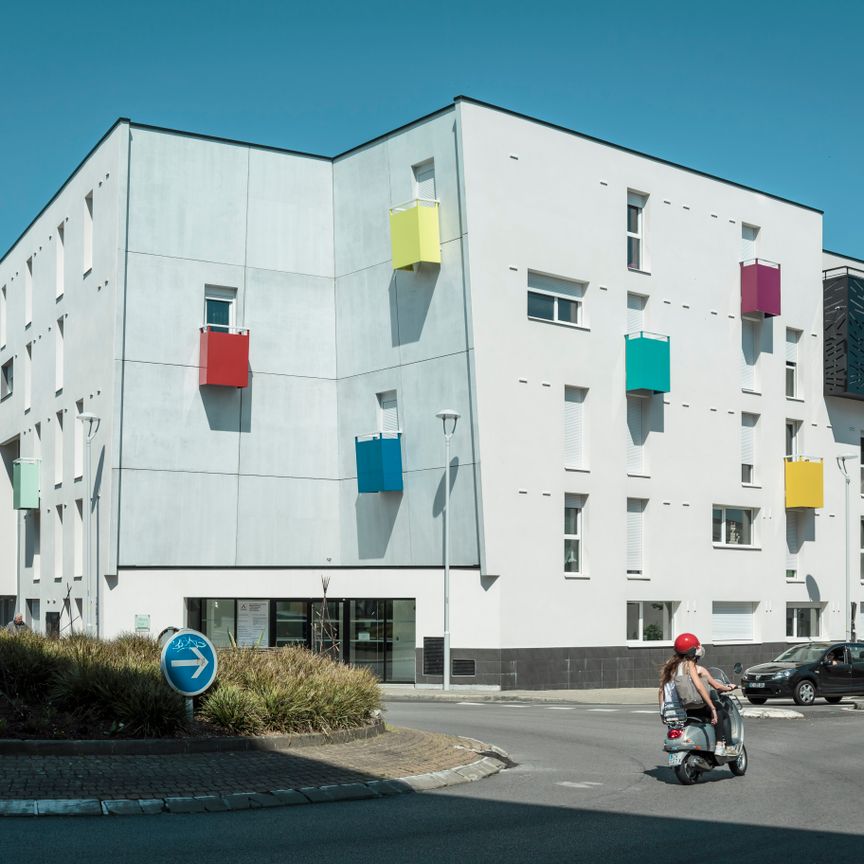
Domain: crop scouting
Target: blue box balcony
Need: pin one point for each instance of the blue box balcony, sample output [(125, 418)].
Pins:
[(647, 361), (379, 462)]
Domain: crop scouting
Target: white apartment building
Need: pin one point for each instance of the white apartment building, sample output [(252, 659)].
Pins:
[(258, 340)]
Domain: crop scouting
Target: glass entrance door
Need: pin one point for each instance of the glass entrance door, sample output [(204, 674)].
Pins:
[(400, 654)]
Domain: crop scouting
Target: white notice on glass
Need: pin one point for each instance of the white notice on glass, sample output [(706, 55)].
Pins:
[(253, 623)]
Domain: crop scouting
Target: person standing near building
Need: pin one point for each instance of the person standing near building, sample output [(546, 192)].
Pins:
[(17, 625)]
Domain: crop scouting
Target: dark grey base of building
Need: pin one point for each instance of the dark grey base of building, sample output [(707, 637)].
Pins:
[(574, 668)]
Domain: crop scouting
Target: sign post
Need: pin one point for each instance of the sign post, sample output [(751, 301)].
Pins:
[(189, 664)]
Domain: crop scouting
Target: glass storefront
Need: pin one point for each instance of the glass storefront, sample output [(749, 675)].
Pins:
[(381, 634)]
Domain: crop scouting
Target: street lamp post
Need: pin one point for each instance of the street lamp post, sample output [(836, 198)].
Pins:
[(445, 416), (91, 625), (847, 612)]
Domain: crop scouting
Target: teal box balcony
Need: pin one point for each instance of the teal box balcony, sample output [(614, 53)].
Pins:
[(25, 484), (647, 359), (379, 462)]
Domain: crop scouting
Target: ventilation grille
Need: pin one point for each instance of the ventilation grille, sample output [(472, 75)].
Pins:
[(433, 655), (463, 667)]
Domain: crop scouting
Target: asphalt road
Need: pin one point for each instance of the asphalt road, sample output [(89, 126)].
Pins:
[(589, 787)]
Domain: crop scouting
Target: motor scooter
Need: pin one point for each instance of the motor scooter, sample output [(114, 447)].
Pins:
[(690, 740)]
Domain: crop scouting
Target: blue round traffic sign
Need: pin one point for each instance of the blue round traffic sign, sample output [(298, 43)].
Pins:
[(189, 662)]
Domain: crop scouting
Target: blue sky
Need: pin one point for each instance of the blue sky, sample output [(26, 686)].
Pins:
[(769, 94)]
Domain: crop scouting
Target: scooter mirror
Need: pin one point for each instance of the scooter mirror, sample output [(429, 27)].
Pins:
[(737, 668)]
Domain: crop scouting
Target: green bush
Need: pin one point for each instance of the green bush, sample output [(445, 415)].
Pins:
[(234, 709)]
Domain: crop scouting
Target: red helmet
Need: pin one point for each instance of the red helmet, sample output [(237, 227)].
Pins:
[(686, 645)]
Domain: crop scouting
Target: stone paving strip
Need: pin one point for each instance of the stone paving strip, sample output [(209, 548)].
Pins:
[(397, 762)]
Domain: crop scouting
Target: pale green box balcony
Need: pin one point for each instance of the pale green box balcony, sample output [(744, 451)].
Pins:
[(25, 484), (414, 234), (647, 360)]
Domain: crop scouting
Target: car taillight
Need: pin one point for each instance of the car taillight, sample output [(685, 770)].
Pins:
[(674, 733)]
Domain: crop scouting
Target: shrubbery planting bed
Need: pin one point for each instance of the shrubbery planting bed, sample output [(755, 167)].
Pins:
[(79, 687)]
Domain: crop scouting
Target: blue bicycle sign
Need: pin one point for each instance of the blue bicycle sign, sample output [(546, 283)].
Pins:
[(189, 662)]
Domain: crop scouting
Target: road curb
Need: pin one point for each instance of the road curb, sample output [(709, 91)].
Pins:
[(326, 794), (771, 714)]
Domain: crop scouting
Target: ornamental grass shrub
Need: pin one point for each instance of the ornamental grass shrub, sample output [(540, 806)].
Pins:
[(79, 686)]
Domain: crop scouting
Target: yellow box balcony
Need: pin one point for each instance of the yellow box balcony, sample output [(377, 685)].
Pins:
[(414, 234), (804, 483)]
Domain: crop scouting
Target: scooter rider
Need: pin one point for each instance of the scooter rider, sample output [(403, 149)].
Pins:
[(682, 665), (724, 724)]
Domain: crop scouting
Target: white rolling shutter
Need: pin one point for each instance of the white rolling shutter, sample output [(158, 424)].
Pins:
[(635, 516), (748, 242), (748, 423), (635, 313), (749, 330), (424, 180), (574, 401), (732, 622), (791, 540), (792, 345), (635, 434), (389, 408)]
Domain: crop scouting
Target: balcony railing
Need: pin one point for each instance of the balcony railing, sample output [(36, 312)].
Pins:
[(414, 234), (224, 356), (25, 484), (379, 462), (647, 362), (804, 482), (760, 287)]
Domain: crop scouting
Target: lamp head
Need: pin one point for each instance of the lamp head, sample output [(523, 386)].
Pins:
[(448, 414), (87, 417)]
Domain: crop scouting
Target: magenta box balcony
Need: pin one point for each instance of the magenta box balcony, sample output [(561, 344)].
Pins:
[(760, 287)]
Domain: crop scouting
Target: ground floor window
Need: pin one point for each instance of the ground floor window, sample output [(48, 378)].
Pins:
[(378, 633), (803, 622), (649, 621)]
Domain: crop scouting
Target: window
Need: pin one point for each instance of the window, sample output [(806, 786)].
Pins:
[(862, 550), (28, 375), (649, 621), (3, 314), (552, 299), (861, 463), (88, 233), (78, 538), (58, 542), (388, 411), (635, 230), (573, 506), (635, 542), (748, 454), (803, 621), (793, 428), (7, 378), (574, 407), (748, 241), (78, 454), (733, 526), (636, 312), (792, 339), (424, 180), (60, 261), (28, 292), (33, 543), (37, 442), (732, 622), (793, 543), (59, 358), (219, 306), (58, 450), (750, 336), (637, 408)]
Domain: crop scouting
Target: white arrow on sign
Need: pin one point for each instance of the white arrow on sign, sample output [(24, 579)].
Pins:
[(201, 662)]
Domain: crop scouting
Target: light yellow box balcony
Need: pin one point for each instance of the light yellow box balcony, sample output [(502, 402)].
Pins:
[(804, 483), (414, 234)]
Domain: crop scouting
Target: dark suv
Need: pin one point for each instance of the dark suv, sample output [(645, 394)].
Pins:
[(829, 669)]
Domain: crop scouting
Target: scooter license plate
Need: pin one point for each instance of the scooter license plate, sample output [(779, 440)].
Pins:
[(676, 758)]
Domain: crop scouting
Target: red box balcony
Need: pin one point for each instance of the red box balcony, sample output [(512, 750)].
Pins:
[(224, 357), (760, 287)]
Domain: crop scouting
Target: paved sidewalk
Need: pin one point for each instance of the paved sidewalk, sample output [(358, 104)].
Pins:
[(82, 785), (610, 696)]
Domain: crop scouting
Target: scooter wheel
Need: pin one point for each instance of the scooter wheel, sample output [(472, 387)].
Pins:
[(687, 772), (739, 766)]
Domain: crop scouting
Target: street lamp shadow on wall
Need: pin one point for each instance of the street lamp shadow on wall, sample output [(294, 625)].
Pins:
[(449, 418), (91, 621)]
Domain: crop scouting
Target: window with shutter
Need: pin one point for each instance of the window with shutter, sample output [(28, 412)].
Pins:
[(635, 542), (749, 353), (388, 411), (636, 434), (792, 544), (573, 552), (574, 402), (424, 180), (792, 339), (732, 622), (748, 457), (635, 313), (748, 242)]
